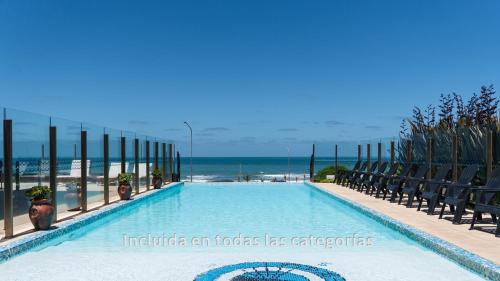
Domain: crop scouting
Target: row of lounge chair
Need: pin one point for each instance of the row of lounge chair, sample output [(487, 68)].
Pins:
[(37, 168), (410, 181), (74, 173)]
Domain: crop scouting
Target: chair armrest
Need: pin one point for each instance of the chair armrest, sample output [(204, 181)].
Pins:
[(463, 186), (398, 177), (486, 189), (436, 182), (414, 178)]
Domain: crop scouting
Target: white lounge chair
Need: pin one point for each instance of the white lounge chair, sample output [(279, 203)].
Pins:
[(142, 169), (115, 168), (76, 170)]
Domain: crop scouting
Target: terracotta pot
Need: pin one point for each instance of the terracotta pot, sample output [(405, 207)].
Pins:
[(41, 213), (157, 182), (124, 190)]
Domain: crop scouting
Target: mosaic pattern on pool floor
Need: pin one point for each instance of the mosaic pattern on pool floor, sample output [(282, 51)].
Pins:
[(267, 271)]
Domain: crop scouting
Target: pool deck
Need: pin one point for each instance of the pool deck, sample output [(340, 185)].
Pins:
[(24, 227), (481, 243)]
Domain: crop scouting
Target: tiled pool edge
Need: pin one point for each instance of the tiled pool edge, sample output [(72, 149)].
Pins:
[(34, 239), (481, 266)]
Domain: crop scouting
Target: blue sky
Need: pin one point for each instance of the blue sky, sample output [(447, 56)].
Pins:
[(252, 77)]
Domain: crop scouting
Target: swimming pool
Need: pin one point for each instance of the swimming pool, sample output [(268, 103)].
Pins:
[(195, 230)]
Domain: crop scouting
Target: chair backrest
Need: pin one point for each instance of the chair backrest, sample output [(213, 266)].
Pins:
[(440, 176), (419, 175), (356, 165), (421, 171), (373, 167), (393, 169), (468, 174), (363, 167), (442, 172), (115, 168), (76, 168), (494, 180), (142, 169), (406, 170), (382, 167), (494, 183)]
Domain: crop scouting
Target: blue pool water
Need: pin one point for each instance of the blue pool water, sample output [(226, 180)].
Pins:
[(222, 224)]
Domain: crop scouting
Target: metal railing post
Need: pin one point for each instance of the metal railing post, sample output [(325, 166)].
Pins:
[(53, 169), (178, 159), (379, 155), (489, 154), (454, 157), (368, 156), (106, 168), (136, 165), (83, 179), (7, 189), (409, 153), (336, 157), (311, 165), (429, 157), (393, 153), (148, 182), (123, 154), (156, 154), (359, 152), (163, 161), (170, 163)]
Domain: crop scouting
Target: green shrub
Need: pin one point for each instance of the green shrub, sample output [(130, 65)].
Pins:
[(330, 170), (38, 192), (326, 181), (125, 178)]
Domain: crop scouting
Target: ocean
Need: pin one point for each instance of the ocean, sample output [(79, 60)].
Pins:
[(206, 169)]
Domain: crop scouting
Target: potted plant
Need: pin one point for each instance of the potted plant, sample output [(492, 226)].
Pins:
[(124, 187), (157, 180), (41, 210)]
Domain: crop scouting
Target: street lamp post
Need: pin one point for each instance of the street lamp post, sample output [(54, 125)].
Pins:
[(288, 148), (191, 151)]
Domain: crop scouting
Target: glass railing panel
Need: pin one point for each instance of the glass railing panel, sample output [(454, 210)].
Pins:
[(129, 150), (324, 157), (114, 162), (130, 156), (95, 156), (31, 167), (347, 153), (68, 166), (472, 144), (30, 155), (2, 178), (442, 141), (419, 146), (472, 141), (142, 162)]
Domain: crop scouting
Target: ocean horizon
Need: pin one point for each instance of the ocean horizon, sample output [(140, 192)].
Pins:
[(211, 169)]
